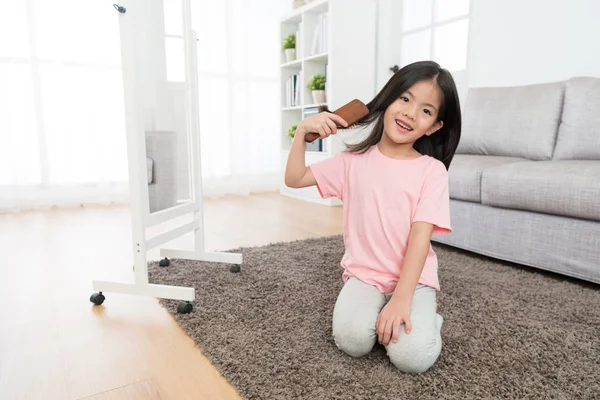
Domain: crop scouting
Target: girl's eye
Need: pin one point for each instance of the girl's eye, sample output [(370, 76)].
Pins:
[(404, 99), (427, 112)]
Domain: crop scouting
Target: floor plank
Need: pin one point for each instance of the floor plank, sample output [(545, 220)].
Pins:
[(146, 390), (54, 344)]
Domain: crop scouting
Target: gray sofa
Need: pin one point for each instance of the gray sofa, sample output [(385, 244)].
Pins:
[(161, 163), (525, 182)]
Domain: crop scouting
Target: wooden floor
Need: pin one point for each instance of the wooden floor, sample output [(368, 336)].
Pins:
[(54, 344)]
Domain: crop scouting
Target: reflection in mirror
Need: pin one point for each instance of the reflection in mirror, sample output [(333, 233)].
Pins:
[(167, 183), (162, 92), (168, 149)]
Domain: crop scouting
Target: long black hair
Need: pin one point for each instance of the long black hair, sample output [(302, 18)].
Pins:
[(441, 144)]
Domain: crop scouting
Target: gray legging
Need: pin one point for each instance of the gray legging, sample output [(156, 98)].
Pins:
[(355, 315)]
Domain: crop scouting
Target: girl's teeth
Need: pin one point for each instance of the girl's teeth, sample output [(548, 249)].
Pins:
[(403, 126)]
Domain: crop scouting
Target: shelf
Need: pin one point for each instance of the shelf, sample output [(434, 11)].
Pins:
[(318, 57), (291, 64), (303, 106), (316, 6), (298, 63), (314, 105), (348, 21), (293, 18)]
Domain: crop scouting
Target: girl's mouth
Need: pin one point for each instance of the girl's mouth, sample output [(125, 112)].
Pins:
[(402, 125)]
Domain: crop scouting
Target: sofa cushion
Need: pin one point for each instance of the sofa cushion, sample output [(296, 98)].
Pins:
[(579, 131), (519, 121), (568, 188), (464, 175), (149, 163)]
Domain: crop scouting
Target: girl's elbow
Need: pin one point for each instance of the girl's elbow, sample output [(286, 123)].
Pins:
[(290, 183)]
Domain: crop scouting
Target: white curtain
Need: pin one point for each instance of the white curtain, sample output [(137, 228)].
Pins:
[(62, 124), (238, 59)]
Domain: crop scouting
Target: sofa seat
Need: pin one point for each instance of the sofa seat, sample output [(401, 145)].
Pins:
[(464, 175), (565, 187)]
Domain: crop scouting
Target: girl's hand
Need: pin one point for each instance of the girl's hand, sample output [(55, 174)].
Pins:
[(394, 314), (324, 124)]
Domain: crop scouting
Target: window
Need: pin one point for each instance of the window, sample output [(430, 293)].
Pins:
[(436, 30), (238, 54), (61, 99), (173, 20)]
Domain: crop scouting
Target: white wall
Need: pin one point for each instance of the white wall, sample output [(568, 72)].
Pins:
[(515, 42), (512, 42), (388, 17)]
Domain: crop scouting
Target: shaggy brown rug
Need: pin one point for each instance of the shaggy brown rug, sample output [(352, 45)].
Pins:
[(509, 332)]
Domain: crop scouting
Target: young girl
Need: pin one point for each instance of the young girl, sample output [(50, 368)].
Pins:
[(394, 186)]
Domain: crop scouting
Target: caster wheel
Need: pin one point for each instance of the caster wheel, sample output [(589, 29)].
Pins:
[(185, 307), (97, 298), (164, 262), (235, 268)]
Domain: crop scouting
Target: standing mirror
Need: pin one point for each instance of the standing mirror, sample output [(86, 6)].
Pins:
[(160, 84)]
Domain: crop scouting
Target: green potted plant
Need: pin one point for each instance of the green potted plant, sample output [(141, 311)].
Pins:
[(317, 85), (289, 47), (292, 130)]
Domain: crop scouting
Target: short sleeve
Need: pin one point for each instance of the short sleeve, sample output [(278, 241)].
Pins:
[(330, 176), (434, 201)]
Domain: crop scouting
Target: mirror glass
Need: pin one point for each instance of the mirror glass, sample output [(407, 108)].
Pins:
[(161, 77)]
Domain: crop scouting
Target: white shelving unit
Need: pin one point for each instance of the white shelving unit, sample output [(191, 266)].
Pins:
[(346, 57)]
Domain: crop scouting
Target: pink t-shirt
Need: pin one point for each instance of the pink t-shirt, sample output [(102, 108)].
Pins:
[(382, 197)]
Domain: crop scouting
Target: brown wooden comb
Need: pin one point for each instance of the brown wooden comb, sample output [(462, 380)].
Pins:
[(351, 112)]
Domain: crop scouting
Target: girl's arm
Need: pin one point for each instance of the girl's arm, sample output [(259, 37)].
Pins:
[(297, 174), (397, 311), (419, 241)]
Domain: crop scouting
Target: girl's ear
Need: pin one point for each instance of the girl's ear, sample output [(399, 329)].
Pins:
[(437, 126)]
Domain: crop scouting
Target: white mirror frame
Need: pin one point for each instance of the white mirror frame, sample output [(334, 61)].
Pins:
[(140, 216)]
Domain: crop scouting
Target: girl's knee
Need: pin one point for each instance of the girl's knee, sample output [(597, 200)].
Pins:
[(417, 352), (356, 341), (414, 355)]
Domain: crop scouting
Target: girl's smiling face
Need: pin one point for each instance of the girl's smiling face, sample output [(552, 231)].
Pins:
[(414, 113)]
